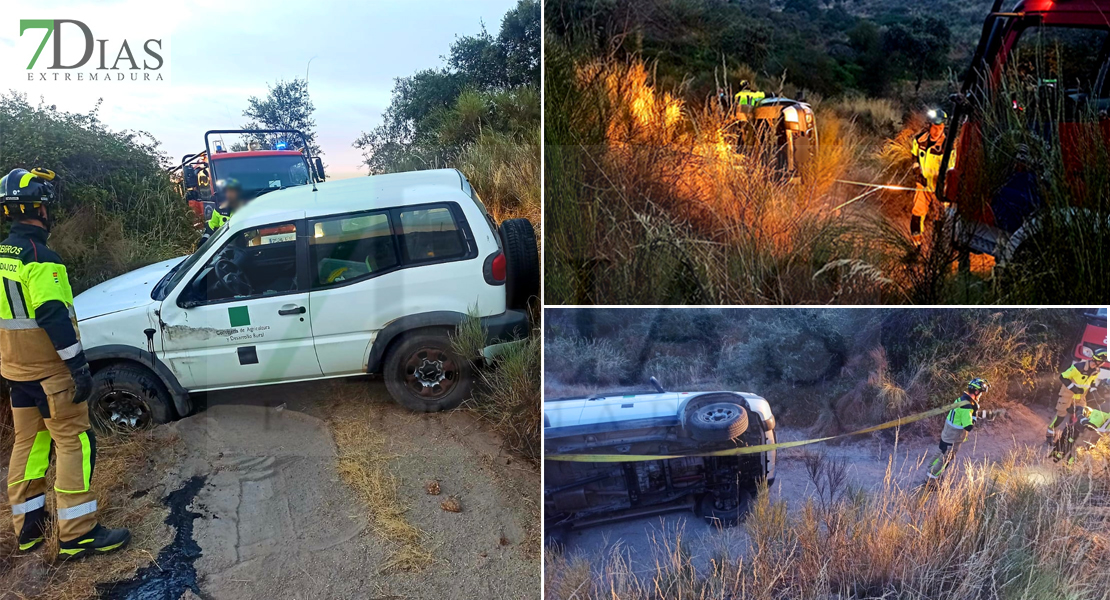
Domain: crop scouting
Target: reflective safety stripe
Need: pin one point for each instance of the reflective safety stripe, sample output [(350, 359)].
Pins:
[(86, 464), (70, 352), (18, 324), (33, 504), (67, 514), (15, 298)]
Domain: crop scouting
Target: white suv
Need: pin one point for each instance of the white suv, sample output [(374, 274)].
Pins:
[(654, 423), (363, 275)]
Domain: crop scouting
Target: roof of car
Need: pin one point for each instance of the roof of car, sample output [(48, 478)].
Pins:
[(349, 195)]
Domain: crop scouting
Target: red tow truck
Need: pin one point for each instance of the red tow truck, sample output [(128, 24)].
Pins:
[(1059, 54), (258, 170)]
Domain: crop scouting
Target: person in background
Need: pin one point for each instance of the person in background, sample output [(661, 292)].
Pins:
[(960, 420), (928, 150), (1078, 381)]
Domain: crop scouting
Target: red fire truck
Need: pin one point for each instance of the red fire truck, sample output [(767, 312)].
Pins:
[(259, 170), (1058, 52)]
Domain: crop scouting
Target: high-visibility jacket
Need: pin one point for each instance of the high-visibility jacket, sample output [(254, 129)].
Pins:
[(928, 152), (1080, 377), (749, 98), (962, 413), (1099, 419), (218, 219), (38, 329)]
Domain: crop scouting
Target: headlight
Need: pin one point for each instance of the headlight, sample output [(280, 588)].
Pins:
[(790, 114)]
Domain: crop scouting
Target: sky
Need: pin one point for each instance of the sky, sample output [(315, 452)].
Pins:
[(221, 52)]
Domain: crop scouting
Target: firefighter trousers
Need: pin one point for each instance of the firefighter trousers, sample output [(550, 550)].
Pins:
[(951, 439), (1066, 400), (44, 415)]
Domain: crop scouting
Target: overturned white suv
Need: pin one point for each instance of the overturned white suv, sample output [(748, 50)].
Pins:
[(356, 276), (718, 488)]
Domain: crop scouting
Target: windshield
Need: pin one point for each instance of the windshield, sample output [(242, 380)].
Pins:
[(258, 173), (176, 274)]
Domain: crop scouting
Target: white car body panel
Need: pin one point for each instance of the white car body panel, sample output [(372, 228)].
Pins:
[(334, 336)]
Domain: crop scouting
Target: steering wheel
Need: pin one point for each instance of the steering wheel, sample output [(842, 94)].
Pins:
[(230, 275)]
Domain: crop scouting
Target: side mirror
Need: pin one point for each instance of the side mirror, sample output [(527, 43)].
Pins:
[(319, 169), (190, 176)]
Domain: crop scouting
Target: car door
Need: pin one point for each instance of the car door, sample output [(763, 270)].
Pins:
[(258, 333), (361, 267)]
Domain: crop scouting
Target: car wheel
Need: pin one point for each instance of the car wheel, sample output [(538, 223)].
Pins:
[(522, 262), (424, 373), (126, 399), (715, 420), (725, 511)]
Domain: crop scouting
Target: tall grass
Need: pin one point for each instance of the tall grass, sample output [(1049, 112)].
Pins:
[(1006, 531), (648, 201)]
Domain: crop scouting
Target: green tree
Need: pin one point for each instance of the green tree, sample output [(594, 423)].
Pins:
[(920, 48), (286, 106)]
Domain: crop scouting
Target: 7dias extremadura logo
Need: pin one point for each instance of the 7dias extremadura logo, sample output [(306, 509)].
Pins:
[(85, 57)]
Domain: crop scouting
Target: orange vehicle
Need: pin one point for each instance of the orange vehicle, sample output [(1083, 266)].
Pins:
[(1047, 62), (258, 170)]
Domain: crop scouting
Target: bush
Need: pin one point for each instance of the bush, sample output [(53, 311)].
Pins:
[(119, 209)]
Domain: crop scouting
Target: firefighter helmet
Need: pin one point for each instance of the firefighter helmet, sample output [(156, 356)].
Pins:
[(22, 192), (977, 385), (1099, 355), (937, 116), (230, 183)]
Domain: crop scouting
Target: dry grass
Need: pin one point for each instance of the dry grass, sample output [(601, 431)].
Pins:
[(123, 466), (1011, 530), (651, 200), (363, 464)]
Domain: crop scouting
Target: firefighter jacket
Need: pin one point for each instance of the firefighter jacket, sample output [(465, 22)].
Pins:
[(38, 328)]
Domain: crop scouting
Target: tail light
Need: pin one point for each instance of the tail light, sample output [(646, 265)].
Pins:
[(494, 269)]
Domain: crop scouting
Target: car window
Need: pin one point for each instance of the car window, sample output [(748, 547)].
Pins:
[(1063, 62), (430, 234), (351, 247), (254, 263)]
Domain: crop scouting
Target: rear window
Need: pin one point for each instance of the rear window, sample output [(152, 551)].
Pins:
[(351, 247), (431, 234)]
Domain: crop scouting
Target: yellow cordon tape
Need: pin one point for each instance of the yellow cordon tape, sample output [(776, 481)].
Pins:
[(748, 449)]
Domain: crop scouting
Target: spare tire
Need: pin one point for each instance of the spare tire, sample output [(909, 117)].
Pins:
[(715, 420), (522, 262)]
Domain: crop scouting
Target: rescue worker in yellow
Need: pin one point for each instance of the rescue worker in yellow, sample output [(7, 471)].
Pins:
[(960, 420), (229, 193), (747, 96), (928, 150), (1078, 381), (42, 358), (1090, 421)]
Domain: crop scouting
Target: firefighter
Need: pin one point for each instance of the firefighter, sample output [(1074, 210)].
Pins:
[(1078, 381), (960, 420), (747, 96), (41, 356), (928, 150), (1092, 421), (229, 198)]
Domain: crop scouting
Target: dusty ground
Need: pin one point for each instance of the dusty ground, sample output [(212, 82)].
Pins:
[(257, 509), (866, 458)]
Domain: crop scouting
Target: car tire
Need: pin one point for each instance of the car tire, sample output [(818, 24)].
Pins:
[(128, 398), (713, 420), (724, 516), (522, 262), (416, 362)]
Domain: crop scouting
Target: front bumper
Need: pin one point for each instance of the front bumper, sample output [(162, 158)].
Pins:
[(506, 327)]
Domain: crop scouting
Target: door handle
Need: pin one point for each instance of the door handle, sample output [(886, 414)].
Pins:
[(292, 309)]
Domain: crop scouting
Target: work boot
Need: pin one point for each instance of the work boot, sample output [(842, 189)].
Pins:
[(100, 540), (33, 534), (1050, 437)]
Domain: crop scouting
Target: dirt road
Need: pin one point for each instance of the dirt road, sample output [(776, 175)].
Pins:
[(259, 509), (866, 460)]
